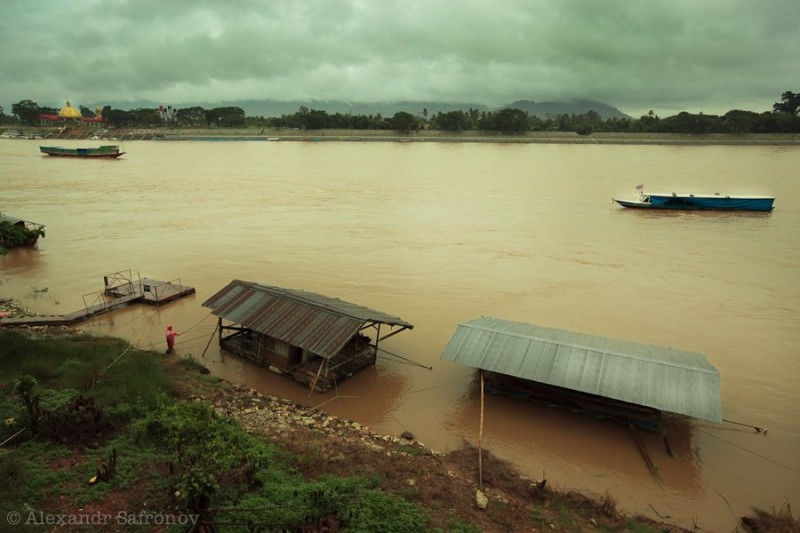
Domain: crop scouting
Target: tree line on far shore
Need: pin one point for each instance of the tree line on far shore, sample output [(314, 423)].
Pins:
[(783, 118)]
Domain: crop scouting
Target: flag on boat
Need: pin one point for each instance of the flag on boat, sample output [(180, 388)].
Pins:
[(640, 187)]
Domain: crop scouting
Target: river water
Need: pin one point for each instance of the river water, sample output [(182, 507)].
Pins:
[(439, 233)]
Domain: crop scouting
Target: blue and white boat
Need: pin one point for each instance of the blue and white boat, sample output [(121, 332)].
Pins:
[(709, 202)]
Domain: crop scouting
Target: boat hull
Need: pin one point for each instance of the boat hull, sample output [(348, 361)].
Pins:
[(705, 203), (103, 152)]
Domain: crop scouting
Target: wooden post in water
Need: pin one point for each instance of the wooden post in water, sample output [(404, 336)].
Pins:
[(377, 340), (480, 441), (211, 338), (646, 456)]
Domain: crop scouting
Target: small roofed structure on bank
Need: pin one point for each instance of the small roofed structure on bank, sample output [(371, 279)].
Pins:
[(314, 339), (18, 232), (618, 379), (18, 222)]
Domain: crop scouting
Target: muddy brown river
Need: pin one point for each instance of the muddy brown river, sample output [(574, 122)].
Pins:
[(439, 233)]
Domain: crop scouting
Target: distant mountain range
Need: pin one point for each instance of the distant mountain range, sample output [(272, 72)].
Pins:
[(570, 107), (277, 108)]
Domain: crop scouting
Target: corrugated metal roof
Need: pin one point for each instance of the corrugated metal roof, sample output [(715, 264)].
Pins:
[(662, 378), (317, 323)]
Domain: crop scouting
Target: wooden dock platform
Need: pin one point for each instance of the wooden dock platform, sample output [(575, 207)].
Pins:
[(120, 290)]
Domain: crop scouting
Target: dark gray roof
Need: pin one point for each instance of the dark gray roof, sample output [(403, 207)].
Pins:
[(662, 378), (317, 323)]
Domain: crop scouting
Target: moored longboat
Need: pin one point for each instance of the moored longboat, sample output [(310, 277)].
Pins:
[(705, 202), (108, 151)]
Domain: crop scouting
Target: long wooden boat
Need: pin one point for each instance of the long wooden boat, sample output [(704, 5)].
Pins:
[(708, 202), (108, 151)]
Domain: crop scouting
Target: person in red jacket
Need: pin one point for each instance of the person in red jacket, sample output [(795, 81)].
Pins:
[(171, 334)]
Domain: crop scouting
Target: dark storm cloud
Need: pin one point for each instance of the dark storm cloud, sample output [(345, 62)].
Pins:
[(709, 56)]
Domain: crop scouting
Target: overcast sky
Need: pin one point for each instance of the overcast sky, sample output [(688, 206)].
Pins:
[(707, 56)]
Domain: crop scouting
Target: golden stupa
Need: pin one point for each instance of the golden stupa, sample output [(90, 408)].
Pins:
[(69, 112)]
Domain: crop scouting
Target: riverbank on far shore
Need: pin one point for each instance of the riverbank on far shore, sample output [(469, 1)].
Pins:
[(271, 134), (478, 137)]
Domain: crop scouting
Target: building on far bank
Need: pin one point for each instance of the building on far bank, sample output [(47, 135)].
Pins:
[(70, 115)]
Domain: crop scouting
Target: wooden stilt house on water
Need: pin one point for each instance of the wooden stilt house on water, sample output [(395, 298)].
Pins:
[(314, 339), (621, 380)]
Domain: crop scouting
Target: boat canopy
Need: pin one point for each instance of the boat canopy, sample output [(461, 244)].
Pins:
[(662, 378)]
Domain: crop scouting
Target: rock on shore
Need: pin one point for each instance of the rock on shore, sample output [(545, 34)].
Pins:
[(278, 417)]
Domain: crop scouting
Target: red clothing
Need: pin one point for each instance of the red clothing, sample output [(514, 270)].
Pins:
[(171, 339)]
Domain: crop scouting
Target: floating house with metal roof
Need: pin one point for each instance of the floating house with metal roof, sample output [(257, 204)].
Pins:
[(317, 340), (608, 377)]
